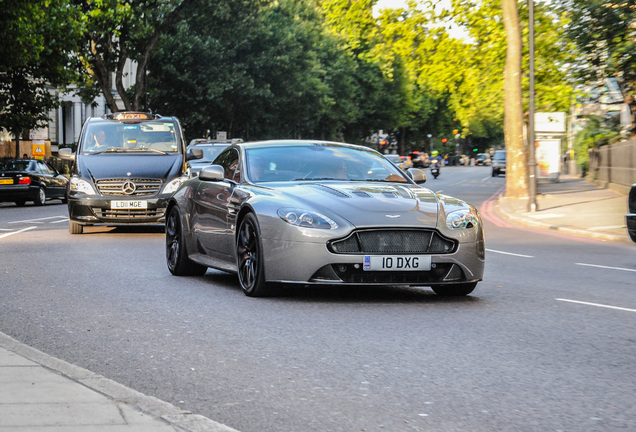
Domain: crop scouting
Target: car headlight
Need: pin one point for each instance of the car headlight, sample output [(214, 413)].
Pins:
[(81, 186), (173, 185), (306, 218), (462, 219)]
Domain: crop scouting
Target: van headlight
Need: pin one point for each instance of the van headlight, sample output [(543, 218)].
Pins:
[(80, 185), (462, 219), (173, 185)]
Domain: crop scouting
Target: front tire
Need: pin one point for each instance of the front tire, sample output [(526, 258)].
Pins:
[(249, 254), (177, 258), (455, 290)]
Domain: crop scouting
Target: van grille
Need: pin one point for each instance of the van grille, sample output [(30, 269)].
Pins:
[(142, 187)]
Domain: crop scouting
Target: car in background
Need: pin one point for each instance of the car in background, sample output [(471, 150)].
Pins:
[(419, 159), (483, 159), (300, 212), (402, 162), (630, 218), (127, 166), (23, 180), (463, 160), (498, 163), (211, 149)]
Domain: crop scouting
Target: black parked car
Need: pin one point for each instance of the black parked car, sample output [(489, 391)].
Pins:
[(23, 180), (631, 216)]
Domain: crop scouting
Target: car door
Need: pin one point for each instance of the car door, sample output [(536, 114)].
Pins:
[(50, 179), (215, 208)]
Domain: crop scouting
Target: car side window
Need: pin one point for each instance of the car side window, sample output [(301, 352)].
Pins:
[(229, 160)]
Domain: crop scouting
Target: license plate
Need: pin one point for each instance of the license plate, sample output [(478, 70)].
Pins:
[(397, 262), (6, 181), (129, 204)]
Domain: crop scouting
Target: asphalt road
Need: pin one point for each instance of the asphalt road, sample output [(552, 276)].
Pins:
[(545, 342)]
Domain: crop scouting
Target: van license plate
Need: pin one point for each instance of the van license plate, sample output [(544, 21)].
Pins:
[(129, 204), (397, 262)]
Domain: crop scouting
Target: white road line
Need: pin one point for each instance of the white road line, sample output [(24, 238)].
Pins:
[(36, 220), (597, 305), (606, 267), (16, 232), (61, 221), (509, 253)]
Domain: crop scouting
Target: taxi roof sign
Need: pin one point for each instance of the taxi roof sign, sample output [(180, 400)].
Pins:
[(130, 116)]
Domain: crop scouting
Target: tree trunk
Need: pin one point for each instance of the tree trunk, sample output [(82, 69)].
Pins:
[(516, 164)]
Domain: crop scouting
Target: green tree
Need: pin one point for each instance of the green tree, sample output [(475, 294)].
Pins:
[(37, 48), (115, 32), (606, 32)]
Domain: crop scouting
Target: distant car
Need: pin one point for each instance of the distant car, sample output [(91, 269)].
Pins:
[(499, 163), (402, 162), (210, 148), (301, 212), (482, 159), (464, 160), (419, 159), (631, 216), (23, 180)]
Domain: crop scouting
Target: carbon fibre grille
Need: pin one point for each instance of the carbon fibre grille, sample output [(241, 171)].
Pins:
[(379, 242), (143, 187)]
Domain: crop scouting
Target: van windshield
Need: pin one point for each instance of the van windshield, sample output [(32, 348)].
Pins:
[(158, 137)]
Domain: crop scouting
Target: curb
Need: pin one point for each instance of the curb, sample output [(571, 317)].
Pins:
[(179, 419)]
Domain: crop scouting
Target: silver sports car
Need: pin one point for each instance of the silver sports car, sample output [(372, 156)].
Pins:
[(312, 212)]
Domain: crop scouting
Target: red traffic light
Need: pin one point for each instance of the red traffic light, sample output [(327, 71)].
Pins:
[(444, 140), (383, 142)]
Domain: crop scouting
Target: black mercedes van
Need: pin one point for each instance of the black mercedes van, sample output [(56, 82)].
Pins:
[(127, 165)]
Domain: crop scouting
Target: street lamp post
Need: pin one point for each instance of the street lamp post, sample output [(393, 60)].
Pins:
[(532, 162)]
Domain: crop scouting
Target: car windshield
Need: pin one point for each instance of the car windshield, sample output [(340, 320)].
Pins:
[(158, 137), (319, 162), (210, 151), (500, 156)]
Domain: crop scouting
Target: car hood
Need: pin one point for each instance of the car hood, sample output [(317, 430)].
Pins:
[(100, 167), (369, 204)]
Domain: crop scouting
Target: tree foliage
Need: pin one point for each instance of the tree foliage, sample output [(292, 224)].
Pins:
[(37, 43)]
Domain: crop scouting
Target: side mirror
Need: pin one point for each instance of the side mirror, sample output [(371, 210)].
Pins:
[(418, 175), (194, 153), (212, 173), (65, 153)]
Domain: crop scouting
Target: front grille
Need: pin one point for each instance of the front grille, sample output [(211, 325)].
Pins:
[(389, 242), (143, 187), (129, 214)]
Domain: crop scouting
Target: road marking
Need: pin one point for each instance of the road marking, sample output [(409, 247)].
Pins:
[(61, 220), (597, 305), (509, 253), (602, 228), (16, 232), (37, 220), (606, 267)]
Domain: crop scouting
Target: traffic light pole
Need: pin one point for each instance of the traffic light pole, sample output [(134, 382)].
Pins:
[(532, 162)]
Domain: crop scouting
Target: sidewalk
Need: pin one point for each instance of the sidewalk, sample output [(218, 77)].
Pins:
[(40, 393), (571, 206)]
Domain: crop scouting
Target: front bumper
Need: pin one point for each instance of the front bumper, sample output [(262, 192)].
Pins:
[(312, 263), (98, 211)]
